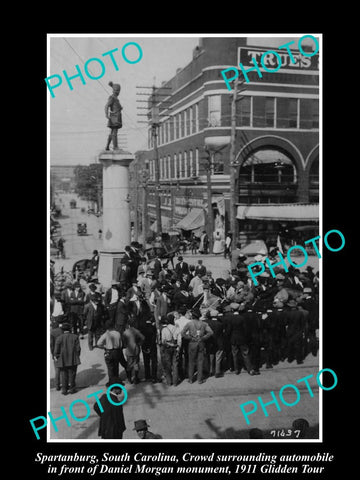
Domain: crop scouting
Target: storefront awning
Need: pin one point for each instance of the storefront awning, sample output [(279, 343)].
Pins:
[(193, 220), (300, 212)]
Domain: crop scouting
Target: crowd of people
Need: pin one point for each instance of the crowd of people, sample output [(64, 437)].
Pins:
[(171, 324)]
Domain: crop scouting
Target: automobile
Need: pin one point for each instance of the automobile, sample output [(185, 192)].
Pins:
[(256, 248), (81, 229)]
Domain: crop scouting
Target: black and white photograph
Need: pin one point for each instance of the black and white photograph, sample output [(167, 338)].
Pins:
[(196, 256), (185, 180)]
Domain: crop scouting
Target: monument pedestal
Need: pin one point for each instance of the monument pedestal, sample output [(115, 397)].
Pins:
[(116, 213)]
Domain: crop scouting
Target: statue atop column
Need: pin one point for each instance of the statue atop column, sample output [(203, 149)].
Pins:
[(113, 114)]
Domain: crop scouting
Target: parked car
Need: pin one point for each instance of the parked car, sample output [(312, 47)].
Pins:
[(81, 229)]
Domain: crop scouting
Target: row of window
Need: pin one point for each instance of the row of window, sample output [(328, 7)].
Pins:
[(177, 126), (278, 112), (252, 111), (181, 165)]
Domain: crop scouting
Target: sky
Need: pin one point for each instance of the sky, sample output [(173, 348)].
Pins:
[(77, 130)]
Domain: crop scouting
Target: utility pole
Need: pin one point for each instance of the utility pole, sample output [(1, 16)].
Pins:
[(154, 133), (210, 223), (154, 121), (145, 215), (233, 166), (233, 193)]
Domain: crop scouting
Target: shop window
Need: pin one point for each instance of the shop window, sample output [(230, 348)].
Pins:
[(286, 112), (244, 112), (214, 110), (263, 112), (309, 113)]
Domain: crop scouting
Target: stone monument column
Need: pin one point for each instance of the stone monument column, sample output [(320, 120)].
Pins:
[(116, 213)]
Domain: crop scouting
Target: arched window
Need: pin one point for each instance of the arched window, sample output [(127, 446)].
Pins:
[(314, 182), (268, 176)]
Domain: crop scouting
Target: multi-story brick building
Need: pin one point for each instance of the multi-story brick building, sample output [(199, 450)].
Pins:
[(276, 143)]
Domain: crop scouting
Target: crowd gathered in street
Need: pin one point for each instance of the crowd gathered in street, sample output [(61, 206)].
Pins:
[(164, 323)]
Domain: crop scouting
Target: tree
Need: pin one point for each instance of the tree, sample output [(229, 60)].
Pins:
[(88, 182)]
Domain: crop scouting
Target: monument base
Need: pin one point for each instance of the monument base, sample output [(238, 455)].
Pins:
[(109, 262)]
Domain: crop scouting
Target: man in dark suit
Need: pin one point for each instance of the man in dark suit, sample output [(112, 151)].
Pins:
[(138, 310), (162, 306), (77, 302), (149, 349), (123, 274), (200, 269), (215, 344), (112, 422), (55, 332), (295, 330), (67, 353), (66, 299), (157, 267), (181, 268), (121, 313), (308, 303), (95, 316), (236, 330), (111, 299)]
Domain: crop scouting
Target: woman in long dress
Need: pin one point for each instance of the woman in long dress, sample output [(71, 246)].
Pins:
[(219, 241)]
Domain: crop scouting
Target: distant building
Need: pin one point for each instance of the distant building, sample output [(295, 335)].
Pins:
[(277, 144)]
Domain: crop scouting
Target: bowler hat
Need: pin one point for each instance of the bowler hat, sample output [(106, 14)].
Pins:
[(140, 425)]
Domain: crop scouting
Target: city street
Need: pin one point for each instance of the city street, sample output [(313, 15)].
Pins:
[(189, 411)]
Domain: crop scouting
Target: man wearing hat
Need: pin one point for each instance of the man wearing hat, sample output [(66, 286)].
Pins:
[(149, 349), (111, 342), (141, 428), (308, 303), (121, 312), (67, 354), (111, 299), (66, 299), (112, 422), (181, 268), (162, 305), (94, 316), (113, 114), (133, 340), (200, 268), (239, 338), (77, 302), (215, 344), (196, 332), (123, 274), (295, 329), (170, 341)]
